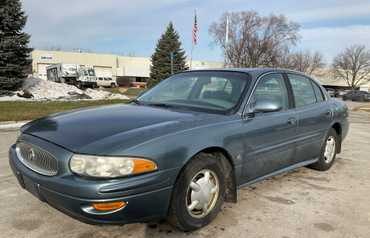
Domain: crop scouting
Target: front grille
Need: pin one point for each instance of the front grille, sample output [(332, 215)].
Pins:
[(37, 159)]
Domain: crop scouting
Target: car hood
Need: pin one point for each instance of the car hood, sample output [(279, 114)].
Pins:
[(108, 129)]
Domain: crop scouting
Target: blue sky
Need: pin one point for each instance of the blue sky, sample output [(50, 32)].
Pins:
[(133, 27)]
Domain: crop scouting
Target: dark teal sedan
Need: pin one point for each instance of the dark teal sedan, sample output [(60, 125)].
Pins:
[(181, 149)]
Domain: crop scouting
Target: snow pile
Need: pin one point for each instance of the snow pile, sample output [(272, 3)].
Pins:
[(48, 90), (44, 89), (12, 98)]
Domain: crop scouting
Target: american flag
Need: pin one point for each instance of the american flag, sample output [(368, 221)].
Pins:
[(195, 30)]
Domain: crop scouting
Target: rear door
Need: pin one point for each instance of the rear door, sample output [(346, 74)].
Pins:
[(269, 137), (314, 116)]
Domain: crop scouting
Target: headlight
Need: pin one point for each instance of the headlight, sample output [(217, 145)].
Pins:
[(110, 167)]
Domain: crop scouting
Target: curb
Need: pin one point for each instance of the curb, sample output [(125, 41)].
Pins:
[(12, 125)]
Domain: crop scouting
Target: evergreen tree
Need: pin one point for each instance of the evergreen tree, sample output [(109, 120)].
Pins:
[(14, 52), (168, 44)]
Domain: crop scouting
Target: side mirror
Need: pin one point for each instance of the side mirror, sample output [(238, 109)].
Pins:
[(267, 106)]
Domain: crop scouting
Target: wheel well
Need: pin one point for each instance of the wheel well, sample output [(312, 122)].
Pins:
[(338, 128), (228, 164)]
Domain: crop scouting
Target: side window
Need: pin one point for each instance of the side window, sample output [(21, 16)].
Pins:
[(272, 88), (302, 89), (319, 95)]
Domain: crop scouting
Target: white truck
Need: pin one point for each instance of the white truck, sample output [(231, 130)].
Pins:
[(106, 82), (80, 76)]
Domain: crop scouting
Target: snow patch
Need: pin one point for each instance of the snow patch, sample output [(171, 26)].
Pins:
[(48, 90)]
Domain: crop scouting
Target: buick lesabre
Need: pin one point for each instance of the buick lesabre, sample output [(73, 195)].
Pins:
[(181, 149)]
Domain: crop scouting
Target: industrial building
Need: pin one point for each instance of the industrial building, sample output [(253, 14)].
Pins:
[(128, 70), (124, 69)]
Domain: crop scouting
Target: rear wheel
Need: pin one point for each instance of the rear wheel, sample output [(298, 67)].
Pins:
[(328, 152), (198, 193)]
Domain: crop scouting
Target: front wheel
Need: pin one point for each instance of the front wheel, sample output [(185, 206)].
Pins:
[(328, 152), (198, 193)]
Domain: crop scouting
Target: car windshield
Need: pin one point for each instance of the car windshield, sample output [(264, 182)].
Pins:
[(210, 90)]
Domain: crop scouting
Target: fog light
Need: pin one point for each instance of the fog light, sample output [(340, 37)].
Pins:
[(108, 206)]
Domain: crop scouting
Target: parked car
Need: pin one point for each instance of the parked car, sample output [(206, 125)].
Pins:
[(343, 92), (360, 96), (106, 82), (181, 149), (332, 92)]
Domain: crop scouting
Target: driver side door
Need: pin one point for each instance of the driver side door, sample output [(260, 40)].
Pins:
[(269, 136)]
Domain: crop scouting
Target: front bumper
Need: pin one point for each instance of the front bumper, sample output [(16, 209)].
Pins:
[(147, 196)]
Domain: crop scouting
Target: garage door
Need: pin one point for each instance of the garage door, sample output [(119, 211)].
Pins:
[(41, 71), (103, 71)]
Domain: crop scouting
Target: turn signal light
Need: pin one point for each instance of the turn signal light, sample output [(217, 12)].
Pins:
[(108, 206), (143, 166)]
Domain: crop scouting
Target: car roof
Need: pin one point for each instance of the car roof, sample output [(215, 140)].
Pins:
[(254, 72)]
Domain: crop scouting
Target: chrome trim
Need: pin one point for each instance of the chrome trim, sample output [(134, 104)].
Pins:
[(46, 158)]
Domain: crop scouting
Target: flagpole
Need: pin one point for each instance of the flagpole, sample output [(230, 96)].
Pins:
[(194, 36), (226, 39), (191, 55)]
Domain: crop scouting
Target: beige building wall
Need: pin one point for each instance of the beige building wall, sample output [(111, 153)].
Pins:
[(103, 63), (109, 65)]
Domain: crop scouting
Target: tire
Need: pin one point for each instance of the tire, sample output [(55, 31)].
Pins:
[(112, 85), (324, 163), (183, 196)]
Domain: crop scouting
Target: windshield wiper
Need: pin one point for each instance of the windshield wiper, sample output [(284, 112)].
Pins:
[(160, 104), (154, 104), (136, 102)]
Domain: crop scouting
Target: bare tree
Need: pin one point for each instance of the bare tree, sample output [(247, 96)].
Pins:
[(254, 40), (353, 65), (306, 62)]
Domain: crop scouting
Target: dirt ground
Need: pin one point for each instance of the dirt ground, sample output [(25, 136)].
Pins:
[(302, 203)]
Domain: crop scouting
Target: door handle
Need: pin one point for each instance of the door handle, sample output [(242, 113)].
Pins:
[(292, 121)]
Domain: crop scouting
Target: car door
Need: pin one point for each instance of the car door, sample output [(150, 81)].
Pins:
[(268, 137), (314, 115)]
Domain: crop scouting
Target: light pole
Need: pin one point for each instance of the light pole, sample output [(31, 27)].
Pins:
[(171, 56)]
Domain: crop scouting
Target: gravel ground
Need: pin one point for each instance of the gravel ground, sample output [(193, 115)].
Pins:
[(302, 203)]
